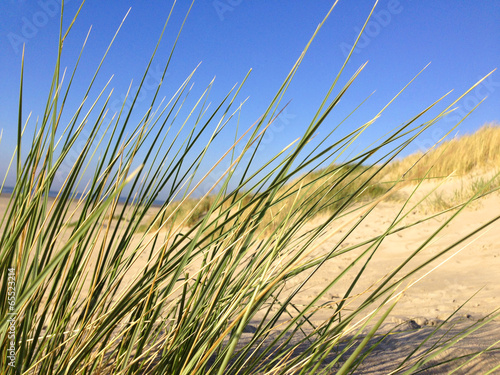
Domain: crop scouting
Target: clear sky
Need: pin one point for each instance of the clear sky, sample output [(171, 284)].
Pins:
[(461, 39)]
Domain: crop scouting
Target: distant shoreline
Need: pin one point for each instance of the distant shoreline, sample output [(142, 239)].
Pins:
[(7, 193)]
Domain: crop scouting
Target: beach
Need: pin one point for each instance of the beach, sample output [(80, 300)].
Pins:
[(426, 299)]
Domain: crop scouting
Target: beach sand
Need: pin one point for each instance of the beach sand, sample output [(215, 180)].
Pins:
[(470, 270), (475, 268)]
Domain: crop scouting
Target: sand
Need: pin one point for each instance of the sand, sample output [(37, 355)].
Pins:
[(429, 301), (471, 267)]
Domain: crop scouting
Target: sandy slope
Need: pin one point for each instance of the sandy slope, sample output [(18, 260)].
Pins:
[(474, 269), (472, 265)]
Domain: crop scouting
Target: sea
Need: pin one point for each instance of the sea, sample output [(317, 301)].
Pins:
[(7, 190)]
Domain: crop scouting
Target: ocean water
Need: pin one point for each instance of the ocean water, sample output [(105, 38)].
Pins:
[(7, 190)]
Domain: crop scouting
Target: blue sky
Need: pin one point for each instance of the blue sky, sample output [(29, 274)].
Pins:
[(461, 39)]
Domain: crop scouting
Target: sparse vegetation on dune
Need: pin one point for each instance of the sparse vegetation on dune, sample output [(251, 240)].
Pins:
[(462, 155), (470, 164), (342, 182), (203, 286), (323, 191)]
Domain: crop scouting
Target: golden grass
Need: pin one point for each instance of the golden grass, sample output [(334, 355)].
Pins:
[(333, 185), (478, 152), (95, 298), (471, 154), (472, 160)]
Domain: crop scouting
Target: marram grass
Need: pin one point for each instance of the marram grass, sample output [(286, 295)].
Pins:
[(481, 149), (103, 288)]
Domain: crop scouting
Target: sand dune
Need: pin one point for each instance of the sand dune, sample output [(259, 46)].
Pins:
[(472, 267)]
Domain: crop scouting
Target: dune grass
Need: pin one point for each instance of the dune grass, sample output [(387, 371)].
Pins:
[(118, 294), (471, 161), (447, 196), (471, 153), (444, 160), (324, 191)]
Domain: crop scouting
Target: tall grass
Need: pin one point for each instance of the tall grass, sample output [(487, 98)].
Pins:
[(118, 293), (471, 161), (481, 150), (476, 172), (326, 189)]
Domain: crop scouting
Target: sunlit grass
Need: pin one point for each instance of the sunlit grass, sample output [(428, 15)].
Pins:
[(472, 153), (103, 288)]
